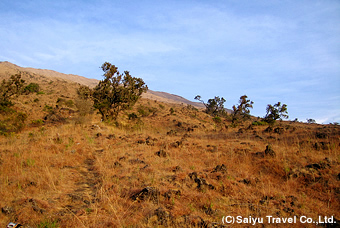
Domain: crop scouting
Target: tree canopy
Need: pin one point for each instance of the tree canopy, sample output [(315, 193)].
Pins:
[(276, 111), (116, 92), (242, 111), (214, 106)]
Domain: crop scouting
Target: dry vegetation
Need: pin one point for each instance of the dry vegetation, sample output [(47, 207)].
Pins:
[(167, 165)]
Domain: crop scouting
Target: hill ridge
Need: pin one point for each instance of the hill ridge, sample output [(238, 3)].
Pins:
[(6, 67)]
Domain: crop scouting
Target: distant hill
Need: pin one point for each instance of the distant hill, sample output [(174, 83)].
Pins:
[(7, 69)]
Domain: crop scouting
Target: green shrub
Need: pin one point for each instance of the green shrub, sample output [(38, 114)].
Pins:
[(132, 116), (62, 101), (145, 111), (48, 224), (37, 123), (48, 108), (217, 119), (32, 88), (259, 123), (14, 122)]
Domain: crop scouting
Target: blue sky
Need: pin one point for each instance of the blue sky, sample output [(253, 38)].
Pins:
[(277, 50)]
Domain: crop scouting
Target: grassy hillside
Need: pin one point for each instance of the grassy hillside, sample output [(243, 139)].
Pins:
[(168, 166)]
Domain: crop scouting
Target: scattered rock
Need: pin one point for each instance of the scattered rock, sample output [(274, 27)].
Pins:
[(220, 168), (321, 145), (99, 150), (136, 161), (313, 166), (7, 210), (324, 164), (111, 136), (279, 130), (95, 126), (241, 130), (176, 144), (150, 141), (269, 151), (35, 206), (172, 193), (141, 141), (162, 153), (148, 193), (212, 148), (245, 181), (200, 181), (122, 158), (258, 137), (171, 133), (268, 129), (190, 129), (321, 135), (117, 164), (161, 217), (178, 169)]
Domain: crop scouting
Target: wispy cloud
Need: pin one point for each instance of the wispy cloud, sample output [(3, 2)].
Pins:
[(269, 50)]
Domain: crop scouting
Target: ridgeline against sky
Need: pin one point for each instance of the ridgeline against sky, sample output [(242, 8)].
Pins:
[(287, 51)]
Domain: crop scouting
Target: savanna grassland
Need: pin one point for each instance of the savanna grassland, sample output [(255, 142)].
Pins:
[(160, 165)]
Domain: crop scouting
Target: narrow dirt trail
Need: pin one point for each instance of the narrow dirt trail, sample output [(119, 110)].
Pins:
[(86, 187)]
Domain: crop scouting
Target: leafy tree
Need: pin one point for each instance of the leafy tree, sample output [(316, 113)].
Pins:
[(116, 92), (241, 112), (10, 88), (214, 107), (310, 121), (276, 111)]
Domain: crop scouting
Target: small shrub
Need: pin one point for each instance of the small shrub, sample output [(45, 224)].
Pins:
[(217, 119), (146, 111), (48, 224), (48, 108), (142, 111), (37, 123), (32, 88), (84, 106), (132, 116), (69, 103), (259, 123)]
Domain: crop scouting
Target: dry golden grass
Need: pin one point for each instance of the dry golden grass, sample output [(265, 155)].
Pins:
[(92, 175), (163, 169)]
